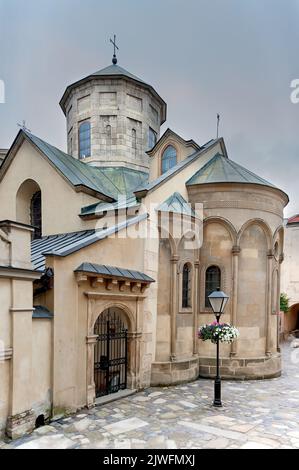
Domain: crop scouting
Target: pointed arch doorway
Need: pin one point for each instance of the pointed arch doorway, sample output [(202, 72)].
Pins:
[(111, 352)]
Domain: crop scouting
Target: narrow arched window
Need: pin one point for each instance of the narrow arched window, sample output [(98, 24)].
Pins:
[(134, 141), (84, 140), (108, 133), (36, 214), (186, 293), (213, 281), (169, 158)]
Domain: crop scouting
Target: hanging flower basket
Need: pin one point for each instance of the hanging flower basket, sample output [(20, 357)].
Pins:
[(225, 332)]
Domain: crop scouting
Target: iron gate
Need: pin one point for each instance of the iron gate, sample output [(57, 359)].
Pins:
[(111, 353)]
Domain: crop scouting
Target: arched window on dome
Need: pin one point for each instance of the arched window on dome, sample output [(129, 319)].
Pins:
[(84, 140), (186, 287), (169, 158), (213, 281)]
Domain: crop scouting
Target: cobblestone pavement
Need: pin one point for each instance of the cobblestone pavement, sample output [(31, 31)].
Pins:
[(256, 414)]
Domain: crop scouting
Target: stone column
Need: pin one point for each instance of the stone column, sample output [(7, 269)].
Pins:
[(281, 258), (173, 299), (270, 257), (90, 392), (235, 252), (195, 306), (21, 416)]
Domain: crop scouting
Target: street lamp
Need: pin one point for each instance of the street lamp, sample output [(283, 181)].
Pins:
[(218, 301)]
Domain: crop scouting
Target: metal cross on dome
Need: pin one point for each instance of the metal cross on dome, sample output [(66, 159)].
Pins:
[(23, 126), (114, 59)]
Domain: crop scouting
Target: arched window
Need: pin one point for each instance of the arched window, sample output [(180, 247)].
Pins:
[(134, 141), (186, 293), (213, 281), (84, 140), (36, 214), (169, 158), (29, 206)]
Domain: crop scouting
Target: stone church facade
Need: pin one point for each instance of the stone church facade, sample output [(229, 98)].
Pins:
[(97, 293)]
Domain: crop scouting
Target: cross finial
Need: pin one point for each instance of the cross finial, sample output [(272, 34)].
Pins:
[(23, 126), (218, 120), (114, 59)]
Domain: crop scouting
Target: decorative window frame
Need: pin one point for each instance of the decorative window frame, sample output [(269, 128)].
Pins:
[(181, 265)]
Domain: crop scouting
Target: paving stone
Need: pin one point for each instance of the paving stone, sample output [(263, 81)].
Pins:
[(125, 426), (256, 414), (255, 445), (187, 404), (44, 430), (220, 443), (55, 441)]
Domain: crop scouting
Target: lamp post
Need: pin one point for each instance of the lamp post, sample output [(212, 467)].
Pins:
[(218, 301)]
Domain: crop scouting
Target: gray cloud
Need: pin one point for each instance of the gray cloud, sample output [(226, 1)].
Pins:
[(203, 56)]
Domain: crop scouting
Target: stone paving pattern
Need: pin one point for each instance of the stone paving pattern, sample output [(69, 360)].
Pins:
[(255, 415)]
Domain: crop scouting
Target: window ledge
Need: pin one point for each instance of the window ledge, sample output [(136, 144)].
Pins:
[(186, 310)]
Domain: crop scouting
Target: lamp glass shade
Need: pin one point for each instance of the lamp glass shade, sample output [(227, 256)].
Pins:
[(218, 301)]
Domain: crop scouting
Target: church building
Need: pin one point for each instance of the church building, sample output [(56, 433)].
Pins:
[(108, 254)]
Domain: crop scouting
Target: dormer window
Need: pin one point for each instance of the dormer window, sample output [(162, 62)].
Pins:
[(169, 158)]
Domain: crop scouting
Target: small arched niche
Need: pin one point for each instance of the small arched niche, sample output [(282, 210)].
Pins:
[(29, 206)]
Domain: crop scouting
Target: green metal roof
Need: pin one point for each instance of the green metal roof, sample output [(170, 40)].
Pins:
[(102, 207), (108, 181), (124, 180), (222, 170), (176, 203)]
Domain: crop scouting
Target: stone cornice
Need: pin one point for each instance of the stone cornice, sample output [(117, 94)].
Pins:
[(114, 296), (19, 273)]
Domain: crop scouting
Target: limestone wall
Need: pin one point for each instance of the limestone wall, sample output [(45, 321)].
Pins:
[(28, 164), (114, 107), (25, 346)]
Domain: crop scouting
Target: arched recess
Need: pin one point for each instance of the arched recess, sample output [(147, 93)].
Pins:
[(253, 296), (225, 223), (263, 225), (29, 205), (113, 360), (219, 237), (292, 319), (111, 353), (278, 238), (164, 284)]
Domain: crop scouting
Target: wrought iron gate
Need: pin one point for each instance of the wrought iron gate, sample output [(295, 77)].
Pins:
[(111, 353)]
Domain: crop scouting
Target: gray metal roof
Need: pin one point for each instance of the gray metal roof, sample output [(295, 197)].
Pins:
[(67, 243), (112, 71), (113, 271), (116, 70), (222, 170), (143, 189), (176, 203), (40, 311)]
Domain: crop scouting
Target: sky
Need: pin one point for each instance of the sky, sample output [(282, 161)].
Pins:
[(232, 57)]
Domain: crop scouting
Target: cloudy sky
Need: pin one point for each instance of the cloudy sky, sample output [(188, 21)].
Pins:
[(235, 57)]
